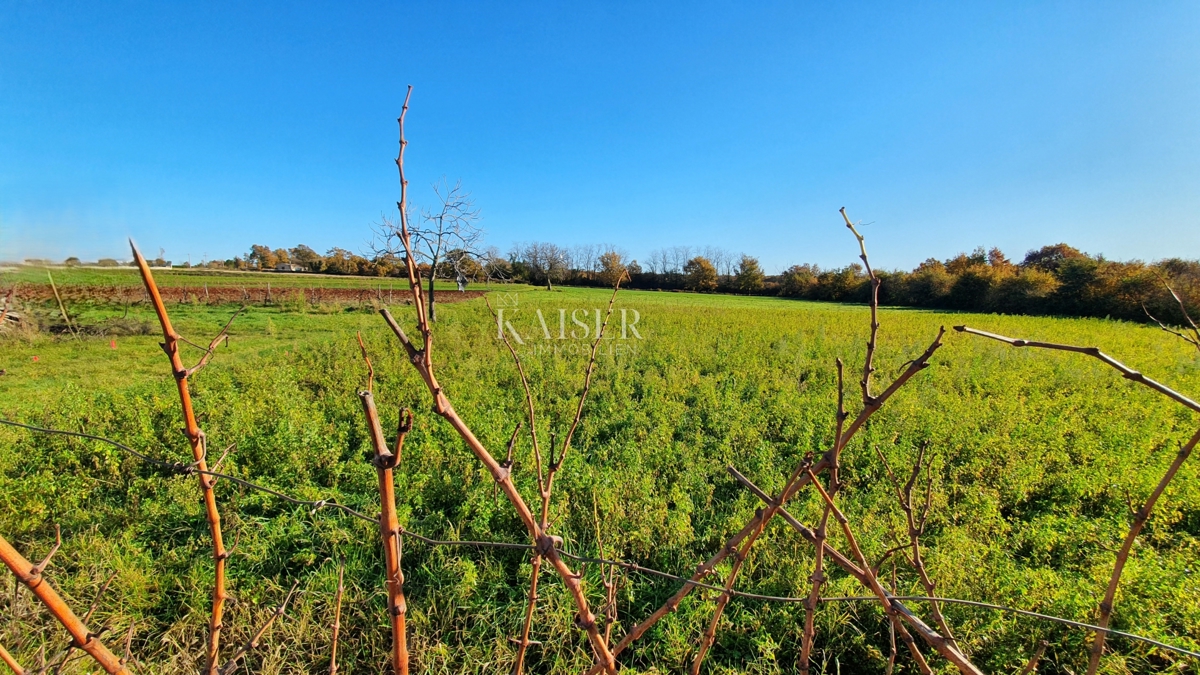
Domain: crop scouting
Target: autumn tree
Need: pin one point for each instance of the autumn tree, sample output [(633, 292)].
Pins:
[(750, 276), (612, 267), (700, 275)]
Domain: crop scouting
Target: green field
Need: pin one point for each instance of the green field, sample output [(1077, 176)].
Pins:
[(1037, 459), (166, 278)]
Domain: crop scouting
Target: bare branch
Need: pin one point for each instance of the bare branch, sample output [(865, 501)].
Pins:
[(422, 360), (872, 580), (232, 664), (389, 529), (1139, 520), (869, 361), (199, 447), (1031, 666), (61, 307), (337, 618), (82, 638), (4, 655), (1126, 372), (212, 346)]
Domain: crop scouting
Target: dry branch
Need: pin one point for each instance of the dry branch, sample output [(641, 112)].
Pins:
[(1194, 338), (199, 446), (61, 307), (916, 527), (337, 618), (1142, 514), (389, 527), (31, 576), (232, 665), (930, 636), (869, 360), (872, 580), (1139, 520), (86, 617), (797, 481), (422, 360), (1031, 666), (4, 655), (1126, 372)]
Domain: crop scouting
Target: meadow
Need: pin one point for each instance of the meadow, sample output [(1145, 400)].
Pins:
[(1037, 462)]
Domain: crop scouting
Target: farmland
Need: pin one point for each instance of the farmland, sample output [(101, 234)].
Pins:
[(1037, 462)]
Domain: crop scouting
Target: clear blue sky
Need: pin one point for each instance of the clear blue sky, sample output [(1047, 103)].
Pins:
[(202, 129)]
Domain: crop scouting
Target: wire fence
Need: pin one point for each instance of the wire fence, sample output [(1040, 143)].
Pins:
[(185, 469)]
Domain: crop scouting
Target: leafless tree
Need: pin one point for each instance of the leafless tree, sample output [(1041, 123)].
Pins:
[(547, 262), (453, 226)]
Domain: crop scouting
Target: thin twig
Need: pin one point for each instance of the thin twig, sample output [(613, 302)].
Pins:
[(232, 664), (1126, 372), (82, 638), (1194, 338), (87, 617), (4, 655), (61, 307), (370, 369), (872, 580), (212, 346), (1032, 664), (337, 618), (916, 527), (869, 361)]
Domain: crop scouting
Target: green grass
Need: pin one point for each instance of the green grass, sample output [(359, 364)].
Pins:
[(1037, 457)]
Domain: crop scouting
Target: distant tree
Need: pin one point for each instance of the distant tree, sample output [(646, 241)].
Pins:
[(633, 268), (71, 262), (963, 262), (107, 262), (493, 266), (1049, 258), (997, 259), (306, 257), (341, 261), (452, 226), (612, 267), (261, 257), (700, 275), (546, 263), (796, 280), (750, 276)]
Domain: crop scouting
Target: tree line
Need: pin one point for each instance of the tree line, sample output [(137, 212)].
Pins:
[(1053, 280)]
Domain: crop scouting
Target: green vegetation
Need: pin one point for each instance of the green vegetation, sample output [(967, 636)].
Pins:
[(1037, 458)]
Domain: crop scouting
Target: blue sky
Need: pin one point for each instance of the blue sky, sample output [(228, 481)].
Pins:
[(202, 128)]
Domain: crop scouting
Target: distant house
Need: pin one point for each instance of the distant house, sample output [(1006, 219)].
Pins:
[(289, 267)]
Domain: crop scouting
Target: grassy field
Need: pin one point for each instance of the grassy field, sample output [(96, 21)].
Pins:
[(1037, 458), (168, 278)]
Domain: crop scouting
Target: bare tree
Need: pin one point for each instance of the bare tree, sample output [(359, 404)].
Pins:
[(547, 262), (453, 227)]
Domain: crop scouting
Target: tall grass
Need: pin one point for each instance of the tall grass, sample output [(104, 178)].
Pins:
[(1036, 458)]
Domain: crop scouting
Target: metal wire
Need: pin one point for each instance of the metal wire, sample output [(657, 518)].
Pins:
[(178, 468)]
